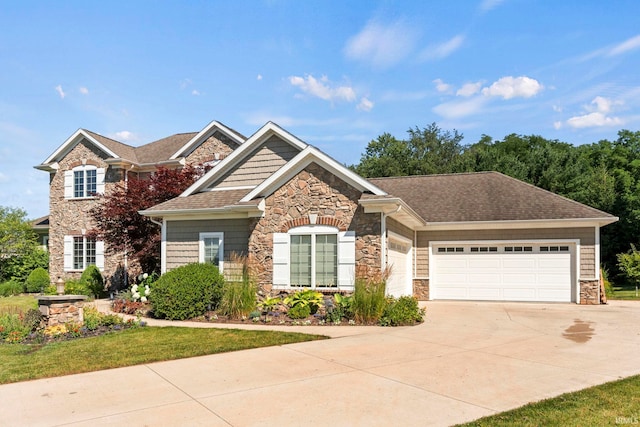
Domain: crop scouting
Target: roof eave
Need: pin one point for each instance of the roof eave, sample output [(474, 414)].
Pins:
[(513, 224), (394, 207), (249, 210)]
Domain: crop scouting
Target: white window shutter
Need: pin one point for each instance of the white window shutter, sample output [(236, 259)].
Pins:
[(68, 253), (100, 254), (100, 174), (68, 184), (346, 259), (281, 272)]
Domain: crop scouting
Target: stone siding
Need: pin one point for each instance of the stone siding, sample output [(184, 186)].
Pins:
[(314, 191), (421, 289), (590, 292), (71, 216), (216, 147)]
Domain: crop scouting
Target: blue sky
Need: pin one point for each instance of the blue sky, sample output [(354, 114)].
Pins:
[(337, 74)]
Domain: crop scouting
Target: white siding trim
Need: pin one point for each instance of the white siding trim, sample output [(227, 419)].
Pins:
[(163, 248), (346, 259), (597, 251)]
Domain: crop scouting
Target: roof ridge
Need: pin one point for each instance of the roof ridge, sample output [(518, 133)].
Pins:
[(106, 137), (433, 175)]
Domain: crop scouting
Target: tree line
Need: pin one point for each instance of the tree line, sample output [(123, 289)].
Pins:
[(603, 174)]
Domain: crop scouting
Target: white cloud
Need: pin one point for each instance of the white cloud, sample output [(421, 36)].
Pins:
[(460, 108), (259, 77), (557, 125), (442, 50), (487, 5), (124, 135), (597, 114), (382, 45), (602, 104), (84, 90), (195, 92), (323, 89), (442, 87), (469, 89), (557, 108), (512, 87), (60, 91), (365, 105), (184, 83), (3, 178), (596, 119), (625, 46)]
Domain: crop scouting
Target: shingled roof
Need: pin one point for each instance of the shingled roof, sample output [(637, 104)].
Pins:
[(205, 200), (483, 196), (152, 152)]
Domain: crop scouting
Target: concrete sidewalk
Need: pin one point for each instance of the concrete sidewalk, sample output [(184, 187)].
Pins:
[(466, 361)]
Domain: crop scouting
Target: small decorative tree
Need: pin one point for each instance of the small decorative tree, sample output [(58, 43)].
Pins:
[(629, 263)]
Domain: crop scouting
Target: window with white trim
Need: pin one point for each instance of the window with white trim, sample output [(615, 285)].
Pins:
[(314, 256), (314, 260), (211, 249), (81, 252), (83, 182)]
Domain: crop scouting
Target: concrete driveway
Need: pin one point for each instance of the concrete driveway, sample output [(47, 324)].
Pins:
[(466, 361)]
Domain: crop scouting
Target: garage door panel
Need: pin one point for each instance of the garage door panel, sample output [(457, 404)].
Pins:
[(483, 263), (519, 294), (503, 275), (519, 262), (489, 294)]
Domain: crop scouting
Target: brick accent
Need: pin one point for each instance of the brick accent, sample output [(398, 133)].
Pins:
[(589, 292), (421, 289), (321, 220), (314, 191)]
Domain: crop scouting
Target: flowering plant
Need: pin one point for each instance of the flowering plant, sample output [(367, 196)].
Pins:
[(142, 290)]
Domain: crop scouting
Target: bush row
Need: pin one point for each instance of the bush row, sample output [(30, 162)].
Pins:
[(192, 290)]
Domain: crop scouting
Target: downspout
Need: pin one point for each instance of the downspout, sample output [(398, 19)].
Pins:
[(383, 232), (125, 255), (163, 231)]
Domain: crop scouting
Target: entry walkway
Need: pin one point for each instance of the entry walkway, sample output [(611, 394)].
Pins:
[(466, 361)]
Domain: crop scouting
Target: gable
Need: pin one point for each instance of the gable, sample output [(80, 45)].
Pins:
[(258, 165)]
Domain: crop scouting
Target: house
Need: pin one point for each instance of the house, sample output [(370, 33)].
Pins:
[(310, 222), (88, 164), (41, 227)]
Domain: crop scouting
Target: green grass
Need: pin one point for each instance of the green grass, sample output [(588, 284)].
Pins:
[(21, 362), (610, 404), (20, 302), (625, 291)]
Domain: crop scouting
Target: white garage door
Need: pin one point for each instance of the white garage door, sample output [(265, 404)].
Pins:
[(399, 259), (503, 272)]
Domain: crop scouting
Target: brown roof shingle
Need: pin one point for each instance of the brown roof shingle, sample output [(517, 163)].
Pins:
[(153, 152), (483, 196), (205, 200), (162, 149)]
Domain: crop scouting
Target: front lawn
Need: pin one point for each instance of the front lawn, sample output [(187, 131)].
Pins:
[(624, 291), (614, 403), (22, 362), (18, 302)]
